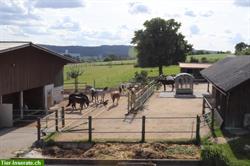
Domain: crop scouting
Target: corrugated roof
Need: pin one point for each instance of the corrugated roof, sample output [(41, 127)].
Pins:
[(229, 72), (6, 46), (195, 65)]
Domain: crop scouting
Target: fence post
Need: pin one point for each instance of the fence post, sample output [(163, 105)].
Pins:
[(143, 129), (38, 129), (62, 116), (94, 83), (128, 102), (56, 120), (203, 106), (198, 121), (90, 128), (212, 120)]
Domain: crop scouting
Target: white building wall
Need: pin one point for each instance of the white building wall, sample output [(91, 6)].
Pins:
[(58, 94)]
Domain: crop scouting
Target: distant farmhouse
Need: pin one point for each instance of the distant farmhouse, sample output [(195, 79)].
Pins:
[(230, 79), (31, 77)]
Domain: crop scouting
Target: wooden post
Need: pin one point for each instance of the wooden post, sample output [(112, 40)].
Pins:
[(62, 116), (212, 120), (198, 139), (203, 106), (90, 128), (94, 83), (38, 129), (21, 104), (143, 129), (56, 120), (208, 87), (128, 102)]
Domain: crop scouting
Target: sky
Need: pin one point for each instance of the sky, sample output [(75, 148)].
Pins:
[(206, 24)]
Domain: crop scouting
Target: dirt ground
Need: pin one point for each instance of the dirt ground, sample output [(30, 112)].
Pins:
[(156, 106), (120, 151)]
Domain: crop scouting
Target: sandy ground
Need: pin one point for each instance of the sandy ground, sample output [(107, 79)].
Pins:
[(156, 106)]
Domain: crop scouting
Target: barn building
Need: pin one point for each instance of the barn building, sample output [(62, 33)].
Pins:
[(230, 79), (31, 78), (193, 69)]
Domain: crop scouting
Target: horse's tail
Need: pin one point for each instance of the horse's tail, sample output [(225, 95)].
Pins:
[(86, 100), (120, 89), (68, 103)]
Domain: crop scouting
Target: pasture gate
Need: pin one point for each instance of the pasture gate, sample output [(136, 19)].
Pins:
[(136, 100)]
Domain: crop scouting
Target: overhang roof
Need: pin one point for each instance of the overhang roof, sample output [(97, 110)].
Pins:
[(195, 65), (6, 46), (229, 72)]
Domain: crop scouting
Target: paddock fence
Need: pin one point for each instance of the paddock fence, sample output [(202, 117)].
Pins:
[(136, 100), (210, 113), (139, 129)]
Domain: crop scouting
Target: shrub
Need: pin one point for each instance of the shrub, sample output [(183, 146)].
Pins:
[(141, 77), (204, 60), (214, 156), (194, 60)]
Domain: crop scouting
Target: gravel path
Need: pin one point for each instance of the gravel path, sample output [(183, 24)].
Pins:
[(16, 139)]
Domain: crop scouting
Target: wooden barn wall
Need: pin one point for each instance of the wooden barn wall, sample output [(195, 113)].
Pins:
[(220, 103), (239, 104), (28, 68)]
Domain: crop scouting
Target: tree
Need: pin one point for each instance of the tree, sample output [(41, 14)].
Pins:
[(160, 44), (74, 72), (240, 47)]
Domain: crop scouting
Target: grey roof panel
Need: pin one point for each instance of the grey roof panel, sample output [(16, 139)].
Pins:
[(6, 46), (229, 72)]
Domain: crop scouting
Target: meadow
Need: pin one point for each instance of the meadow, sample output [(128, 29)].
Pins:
[(210, 57), (113, 73)]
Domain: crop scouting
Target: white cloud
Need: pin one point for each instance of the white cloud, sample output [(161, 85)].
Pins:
[(137, 8), (94, 22), (67, 24), (190, 13), (207, 14), (57, 4), (242, 3)]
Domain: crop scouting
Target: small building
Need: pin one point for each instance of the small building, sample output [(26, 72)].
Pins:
[(230, 79), (31, 78), (193, 68)]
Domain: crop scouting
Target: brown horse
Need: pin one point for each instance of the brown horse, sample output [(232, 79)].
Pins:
[(169, 80), (115, 95)]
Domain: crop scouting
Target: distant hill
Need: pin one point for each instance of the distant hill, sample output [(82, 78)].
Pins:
[(95, 51)]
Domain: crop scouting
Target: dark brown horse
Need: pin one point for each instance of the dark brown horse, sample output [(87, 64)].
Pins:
[(115, 95), (80, 98), (169, 80)]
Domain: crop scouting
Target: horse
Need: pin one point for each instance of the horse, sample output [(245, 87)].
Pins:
[(95, 93), (80, 98), (115, 95), (169, 80)]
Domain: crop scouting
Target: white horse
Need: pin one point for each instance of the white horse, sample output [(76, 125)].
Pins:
[(95, 93)]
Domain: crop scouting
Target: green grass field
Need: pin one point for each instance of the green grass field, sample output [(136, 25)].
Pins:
[(210, 57), (112, 75)]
